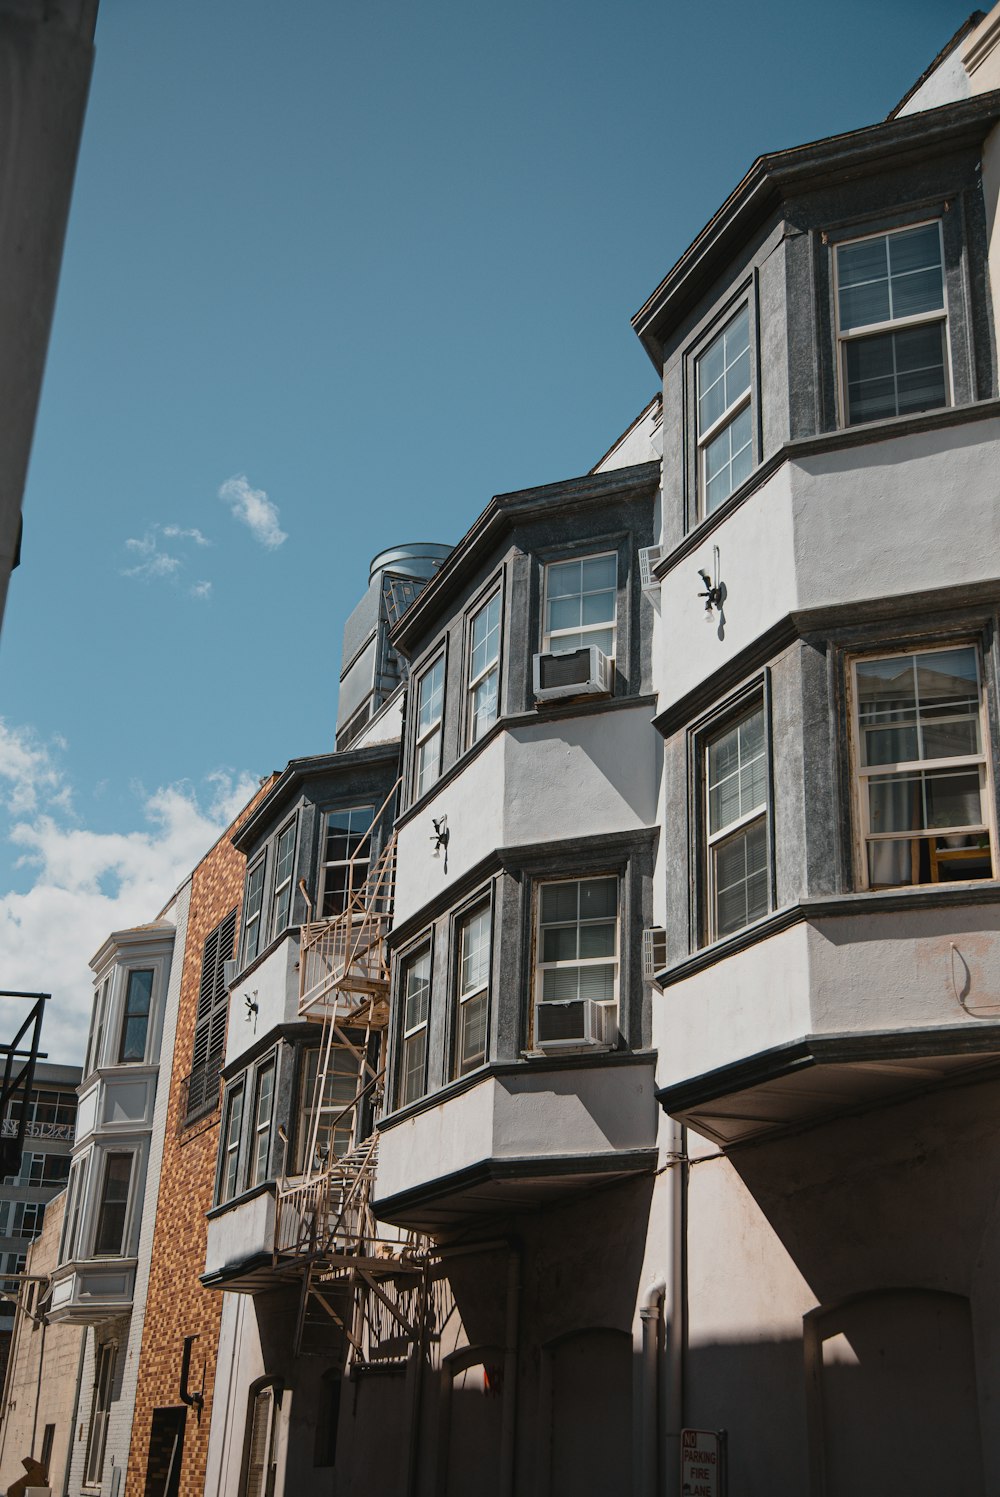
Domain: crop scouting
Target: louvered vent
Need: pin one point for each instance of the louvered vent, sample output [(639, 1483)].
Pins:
[(649, 556), (654, 951), (210, 1021)]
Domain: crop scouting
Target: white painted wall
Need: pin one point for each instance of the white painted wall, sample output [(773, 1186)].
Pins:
[(273, 986), (239, 1232)]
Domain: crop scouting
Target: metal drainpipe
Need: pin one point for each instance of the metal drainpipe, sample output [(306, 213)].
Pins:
[(675, 1306), (651, 1314), (508, 1422)]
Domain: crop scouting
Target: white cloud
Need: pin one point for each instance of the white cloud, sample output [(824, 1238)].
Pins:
[(152, 561), (178, 533), (87, 884), (200, 590), (254, 509)]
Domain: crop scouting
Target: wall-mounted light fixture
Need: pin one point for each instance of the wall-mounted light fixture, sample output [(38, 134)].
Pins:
[(714, 590), (250, 999)]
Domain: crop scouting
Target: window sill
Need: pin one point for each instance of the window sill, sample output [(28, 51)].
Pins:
[(538, 1061), (858, 902)]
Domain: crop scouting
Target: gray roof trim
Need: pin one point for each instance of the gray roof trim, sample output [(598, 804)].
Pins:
[(298, 772), (781, 174), (503, 512)]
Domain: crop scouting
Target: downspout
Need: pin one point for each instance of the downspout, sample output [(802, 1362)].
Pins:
[(651, 1315), (511, 1347), (675, 1307)]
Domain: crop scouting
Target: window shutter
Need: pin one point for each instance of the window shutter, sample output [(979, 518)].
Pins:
[(210, 1021)]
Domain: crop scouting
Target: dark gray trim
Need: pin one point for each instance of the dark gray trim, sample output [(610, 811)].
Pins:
[(244, 1195), (881, 901), (536, 1167), (847, 1048), (541, 714), (223, 1276), (289, 1034), (453, 895), (503, 512), (297, 773), (832, 441), (872, 150)]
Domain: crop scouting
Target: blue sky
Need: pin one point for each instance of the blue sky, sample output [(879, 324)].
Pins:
[(335, 274)]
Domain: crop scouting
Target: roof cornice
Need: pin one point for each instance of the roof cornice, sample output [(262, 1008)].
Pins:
[(297, 772), (500, 516), (782, 174)]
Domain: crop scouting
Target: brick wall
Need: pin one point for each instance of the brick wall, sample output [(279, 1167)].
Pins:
[(176, 1304)]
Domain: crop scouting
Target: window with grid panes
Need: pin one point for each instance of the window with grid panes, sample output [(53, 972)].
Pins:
[(430, 711), (210, 1019), (484, 668), (263, 1110), (346, 857), (577, 949), (232, 1132), (736, 791), (922, 768), (93, 1465), (336, 1121), (472, 996), (891, 324), (252, 910), (581, 603), (95, 1039), (416, 991), (725, 418), (281, 900)]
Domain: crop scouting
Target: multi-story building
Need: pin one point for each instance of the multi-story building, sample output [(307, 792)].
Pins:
[(651, 1111), (49, 1116)]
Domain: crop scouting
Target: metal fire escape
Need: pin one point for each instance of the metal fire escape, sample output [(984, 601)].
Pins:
[(367, 1288)]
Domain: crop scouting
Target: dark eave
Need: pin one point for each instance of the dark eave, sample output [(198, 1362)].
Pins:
[(819, 1077), (500, 516), (297, 772), (783, 174)]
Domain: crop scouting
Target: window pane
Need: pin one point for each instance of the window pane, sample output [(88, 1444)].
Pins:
[(600, 572), (474, 966), (484, 705), (563, 579), (472, 1034), (724, 370), (430, 695), (136, 1018), (737, 772), (414, 1052), (416, 987), (485, 637), (428, 760), (108, 1240), (598, 897), (741, 893)]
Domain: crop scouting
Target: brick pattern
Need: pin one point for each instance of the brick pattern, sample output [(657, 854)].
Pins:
[(176, 1304)]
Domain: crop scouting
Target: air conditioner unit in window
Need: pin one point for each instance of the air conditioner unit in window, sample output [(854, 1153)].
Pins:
[(577, 673), (648, 558), (654, 952), (229, 971), (575, 1024)]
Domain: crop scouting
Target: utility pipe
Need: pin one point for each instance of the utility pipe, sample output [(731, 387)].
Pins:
[(651, 1315), (675, 1304), (511, 1349)]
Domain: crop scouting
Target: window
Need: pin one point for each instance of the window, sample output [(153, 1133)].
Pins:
[(135, 1020), (346, 856), (231, 1134), (430, 710), (416, 1002), (261, 1455), (484, 668), (28, 1219), (725, 421), (891, 324), (335, 1125), (210, 1020), (283, 863), (581, 604), (109, 1239), (473, 989), (736, 792), (104, 1371), (71, 1216), (96, 1037), (251, 912), (922, 776), (577, 952), (262, 1111)]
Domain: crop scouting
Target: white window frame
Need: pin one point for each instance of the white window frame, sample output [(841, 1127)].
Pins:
[(432, 733), (550, 637), (894, 324), (409, 1034), (465, 996), (541, 967), (353, 884), (95, 1040), (97, 1435), (860, 773), (726, 418), (492, 667), (127, 975), (252, 925), (261, 1131), (106, 1155), (231, 1149), (280, 919), (757, 815), (74, 1209)]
